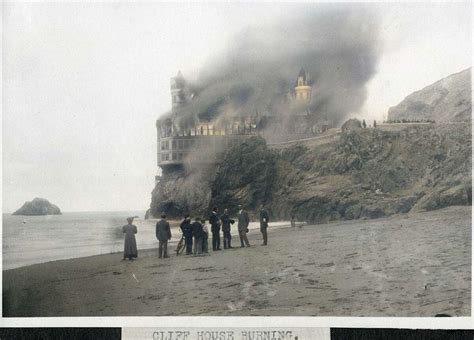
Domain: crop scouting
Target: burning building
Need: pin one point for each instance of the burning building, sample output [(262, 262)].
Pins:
[(176, 144)]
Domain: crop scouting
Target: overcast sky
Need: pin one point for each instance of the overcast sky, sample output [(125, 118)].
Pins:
[(84, 83)]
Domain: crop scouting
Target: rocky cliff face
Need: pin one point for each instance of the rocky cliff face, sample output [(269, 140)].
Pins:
[(449, 99), (39, 206), (360, 173), (366, 173)]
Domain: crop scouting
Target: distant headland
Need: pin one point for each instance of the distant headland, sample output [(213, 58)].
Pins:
[(39, 206)]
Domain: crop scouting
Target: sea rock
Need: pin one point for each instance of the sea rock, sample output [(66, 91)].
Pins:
[(39, 206)]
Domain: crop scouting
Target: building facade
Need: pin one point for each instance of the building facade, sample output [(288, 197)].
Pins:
[(205, 139)]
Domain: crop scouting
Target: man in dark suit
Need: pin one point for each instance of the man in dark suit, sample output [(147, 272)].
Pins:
[(198, 234), (226, 222), (187, 230), (163, 234), (215, 229), (242, 226), (264, 224)]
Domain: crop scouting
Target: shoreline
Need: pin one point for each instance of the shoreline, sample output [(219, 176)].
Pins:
[(415, 264), (144, 246)]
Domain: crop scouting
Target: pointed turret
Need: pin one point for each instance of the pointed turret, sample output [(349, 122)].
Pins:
[(178, 84), (302, 89)]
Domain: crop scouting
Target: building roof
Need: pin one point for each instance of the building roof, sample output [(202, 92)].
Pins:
[(301, 74)]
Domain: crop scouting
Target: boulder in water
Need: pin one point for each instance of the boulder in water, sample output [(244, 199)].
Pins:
[(39, 206)]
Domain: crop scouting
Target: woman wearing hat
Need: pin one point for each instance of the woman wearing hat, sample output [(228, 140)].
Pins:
[(130, 249)]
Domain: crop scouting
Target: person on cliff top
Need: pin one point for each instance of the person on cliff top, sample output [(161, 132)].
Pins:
[(215, 229), (226, 222), (243, 227), (205, 237), (264, 224), (163, 234), (187, 230), (197, 235), (130, 249)]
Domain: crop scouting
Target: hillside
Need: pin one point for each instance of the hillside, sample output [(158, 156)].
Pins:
[(448, 99), (367, 173)]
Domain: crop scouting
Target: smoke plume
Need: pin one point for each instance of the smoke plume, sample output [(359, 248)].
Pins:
[(336, 45)]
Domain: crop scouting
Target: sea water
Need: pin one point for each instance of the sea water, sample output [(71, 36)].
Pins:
[(37, 239)]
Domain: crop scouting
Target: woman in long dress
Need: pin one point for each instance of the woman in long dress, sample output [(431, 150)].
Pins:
[(130, 249)]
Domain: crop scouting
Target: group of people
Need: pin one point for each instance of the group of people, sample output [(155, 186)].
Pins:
[(196, 233)]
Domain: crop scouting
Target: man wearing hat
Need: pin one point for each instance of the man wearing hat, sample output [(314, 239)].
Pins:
[(243, 227), (163, 234)]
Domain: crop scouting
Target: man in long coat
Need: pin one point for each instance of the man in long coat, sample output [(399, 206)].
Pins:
[(226, 222), (187, 230), (242, 226), (198, 234), (163, 234), (264, 224), (215, 229)]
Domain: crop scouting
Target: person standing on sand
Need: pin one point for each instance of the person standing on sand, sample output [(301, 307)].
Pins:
[(205, 237), (130, 249), (197, 234), (242, 226), (215, 229), (293, 221), (187, 230), (163, 234), (226, 222), (264, 224)]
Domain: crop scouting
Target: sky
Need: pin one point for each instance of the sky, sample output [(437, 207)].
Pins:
[(83, 85)]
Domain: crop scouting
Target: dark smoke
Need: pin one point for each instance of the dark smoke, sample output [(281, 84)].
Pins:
[(337, 45)]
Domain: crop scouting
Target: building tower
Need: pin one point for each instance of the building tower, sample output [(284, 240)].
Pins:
[(302, 89), (178, 96)]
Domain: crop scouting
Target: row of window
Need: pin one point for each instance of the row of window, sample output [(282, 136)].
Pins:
[(173, 156), (186, 144)]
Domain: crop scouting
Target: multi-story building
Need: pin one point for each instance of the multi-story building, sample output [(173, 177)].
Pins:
[(202, 141)]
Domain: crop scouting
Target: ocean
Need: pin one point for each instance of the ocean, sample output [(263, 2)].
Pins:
[(36, 239), (29, 240)]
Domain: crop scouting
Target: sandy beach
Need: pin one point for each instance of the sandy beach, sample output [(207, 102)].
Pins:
[(405, 265)]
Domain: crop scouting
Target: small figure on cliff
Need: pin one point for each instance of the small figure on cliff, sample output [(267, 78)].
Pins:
[(187, 230), (364, 124), (243, 227), (226, 222), (130, 249), (163, 234), (198, 236), (215, 229), (264, 224), (293, 221)]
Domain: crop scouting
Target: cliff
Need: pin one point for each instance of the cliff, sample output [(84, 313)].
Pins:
[(356, 173), (39, 206), (366, 173), (448, 99)]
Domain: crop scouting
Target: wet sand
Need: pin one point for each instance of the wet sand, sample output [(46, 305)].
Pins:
[(406, 265)]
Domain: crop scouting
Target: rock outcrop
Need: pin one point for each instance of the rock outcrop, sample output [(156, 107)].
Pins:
[(366, 173), (359, 173), (39, 206), (447, 100)]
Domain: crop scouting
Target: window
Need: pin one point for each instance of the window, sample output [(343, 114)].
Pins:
[(174, 156), (173, 144), (165, 145), (180, 144)]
